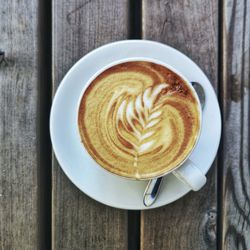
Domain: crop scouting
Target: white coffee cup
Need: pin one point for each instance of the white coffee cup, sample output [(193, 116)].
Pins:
[(187, 171)]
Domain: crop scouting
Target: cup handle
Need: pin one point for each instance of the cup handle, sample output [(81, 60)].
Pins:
[(191, 175)]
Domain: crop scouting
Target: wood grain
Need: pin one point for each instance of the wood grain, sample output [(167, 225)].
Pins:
[(235, 197), (19, 84), (191, 27), (79, 222)]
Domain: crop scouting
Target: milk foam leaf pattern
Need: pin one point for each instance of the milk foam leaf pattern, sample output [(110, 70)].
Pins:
[(138, 119)]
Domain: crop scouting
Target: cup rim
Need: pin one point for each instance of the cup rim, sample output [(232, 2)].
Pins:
[(153, 60)]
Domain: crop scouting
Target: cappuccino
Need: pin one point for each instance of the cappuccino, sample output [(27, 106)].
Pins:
[(139, 119)]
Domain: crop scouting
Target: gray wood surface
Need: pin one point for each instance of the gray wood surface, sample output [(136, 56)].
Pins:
[(18, 126), (79, 222), (235, 196), (191, 27)]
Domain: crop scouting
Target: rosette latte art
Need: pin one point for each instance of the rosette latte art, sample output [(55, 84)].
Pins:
[(139, 119)]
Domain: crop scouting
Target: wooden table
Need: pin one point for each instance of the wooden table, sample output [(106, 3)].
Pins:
[(39, 207)]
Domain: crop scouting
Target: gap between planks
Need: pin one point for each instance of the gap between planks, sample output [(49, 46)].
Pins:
[(44, 99)]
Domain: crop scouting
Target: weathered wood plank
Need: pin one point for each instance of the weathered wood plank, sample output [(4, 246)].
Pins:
[(78, 27), (191, 27), (236, 108), (19, 85)]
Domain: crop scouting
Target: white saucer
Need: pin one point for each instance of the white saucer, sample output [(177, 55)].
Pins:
[(82, 169)]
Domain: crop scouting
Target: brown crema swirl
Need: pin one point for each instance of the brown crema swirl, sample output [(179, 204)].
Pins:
[(138, 119)]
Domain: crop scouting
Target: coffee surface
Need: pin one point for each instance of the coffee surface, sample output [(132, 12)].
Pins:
[(138, 119)]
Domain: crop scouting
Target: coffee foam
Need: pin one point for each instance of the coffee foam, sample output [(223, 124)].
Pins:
[(138, 119)]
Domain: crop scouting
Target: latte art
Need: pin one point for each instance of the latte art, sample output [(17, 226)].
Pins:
[(138, 119)]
